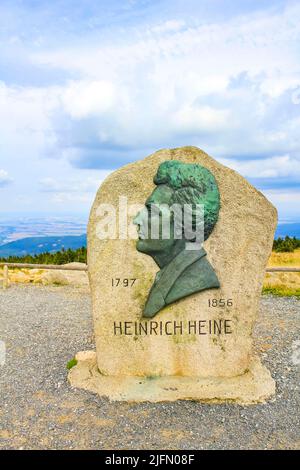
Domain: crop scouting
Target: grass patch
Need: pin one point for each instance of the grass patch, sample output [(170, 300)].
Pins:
[(71, 363), (281, 291), (285, 259)]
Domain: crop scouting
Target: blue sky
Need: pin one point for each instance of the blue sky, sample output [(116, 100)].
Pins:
[(87, 86)]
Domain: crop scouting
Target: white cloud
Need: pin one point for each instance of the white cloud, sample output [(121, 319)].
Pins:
[(69, 185), (256, 43), (287, 202), (223, 85), (168, 26), (66, 198), (275, 167), (4, 178), (88, 97), (278, 196), (25, 116), (75, 189), (201, 118), (170, 80)]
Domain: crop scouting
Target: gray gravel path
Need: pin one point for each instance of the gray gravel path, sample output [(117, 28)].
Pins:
[(43, 327)]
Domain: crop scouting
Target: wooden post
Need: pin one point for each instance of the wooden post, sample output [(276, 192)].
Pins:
[(5, 276)]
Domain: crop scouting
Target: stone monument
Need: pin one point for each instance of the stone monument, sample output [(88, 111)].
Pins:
[(174, 313)]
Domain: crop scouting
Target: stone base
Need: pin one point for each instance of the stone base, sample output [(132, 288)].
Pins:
[(255, 386)]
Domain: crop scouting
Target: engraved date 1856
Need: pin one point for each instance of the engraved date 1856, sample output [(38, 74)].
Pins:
[(220, 302)]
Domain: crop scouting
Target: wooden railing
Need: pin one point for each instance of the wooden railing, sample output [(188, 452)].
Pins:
[(46, 266), (59, 267), (275, 269), (62, 267)]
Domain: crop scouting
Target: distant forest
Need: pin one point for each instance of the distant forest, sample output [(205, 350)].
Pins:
[(287, 244), (60, 257)]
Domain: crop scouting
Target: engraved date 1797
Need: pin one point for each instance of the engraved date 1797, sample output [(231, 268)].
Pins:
[(122, 282)]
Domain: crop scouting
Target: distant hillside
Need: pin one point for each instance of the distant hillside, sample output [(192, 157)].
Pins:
[(291, 230), (53, 244), (37, 245)]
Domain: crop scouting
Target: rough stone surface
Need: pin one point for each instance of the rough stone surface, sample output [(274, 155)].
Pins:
[(254, 386), (238, 250), (74, 278)]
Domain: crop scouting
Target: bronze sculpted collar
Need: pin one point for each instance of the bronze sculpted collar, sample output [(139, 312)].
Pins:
[(167, 276)]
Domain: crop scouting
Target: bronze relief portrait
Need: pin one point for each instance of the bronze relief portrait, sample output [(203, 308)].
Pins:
[(184, 268)]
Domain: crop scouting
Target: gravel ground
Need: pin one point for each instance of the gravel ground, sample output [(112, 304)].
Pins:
[(43, 327)]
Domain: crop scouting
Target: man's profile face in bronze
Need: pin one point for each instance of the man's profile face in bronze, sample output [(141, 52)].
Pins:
[(150, 222)]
